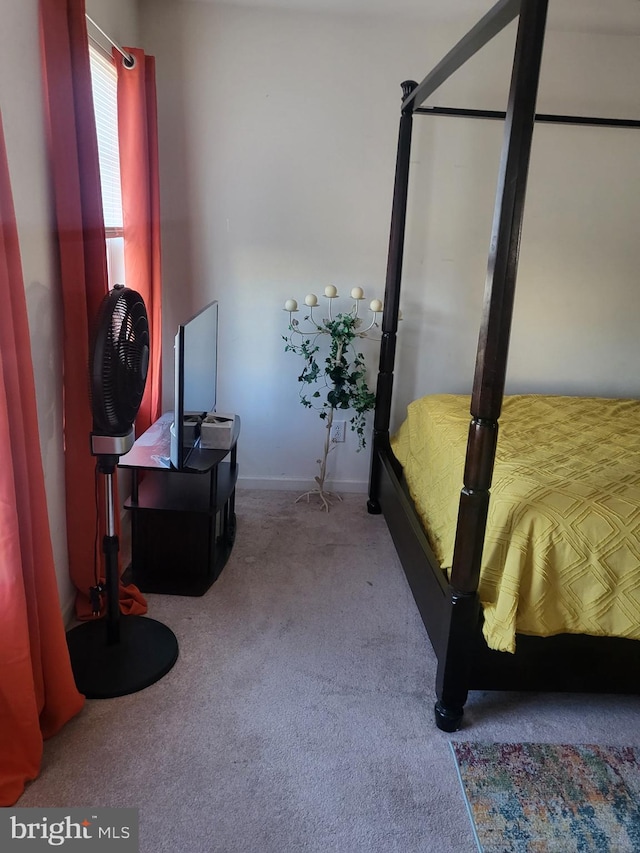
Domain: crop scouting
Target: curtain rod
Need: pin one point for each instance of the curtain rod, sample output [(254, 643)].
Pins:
[(129, 61)]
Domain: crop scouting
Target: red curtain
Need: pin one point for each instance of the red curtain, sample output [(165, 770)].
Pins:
[(138, 144), (73, 154), (37, 690)]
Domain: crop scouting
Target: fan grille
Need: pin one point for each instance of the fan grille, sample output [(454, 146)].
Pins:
[(120, 360)]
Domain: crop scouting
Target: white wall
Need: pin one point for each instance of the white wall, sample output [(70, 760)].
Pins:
[(278, 136), (22, 113)]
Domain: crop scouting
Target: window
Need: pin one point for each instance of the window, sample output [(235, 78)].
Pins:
[(104, 83)]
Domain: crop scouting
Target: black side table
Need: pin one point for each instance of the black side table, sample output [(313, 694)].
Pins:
[(183, 523)]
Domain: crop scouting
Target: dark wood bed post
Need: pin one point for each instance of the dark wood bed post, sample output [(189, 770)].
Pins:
[(454, 661), (382, 415)]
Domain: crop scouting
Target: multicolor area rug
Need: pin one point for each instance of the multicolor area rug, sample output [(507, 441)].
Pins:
[(543, 798)]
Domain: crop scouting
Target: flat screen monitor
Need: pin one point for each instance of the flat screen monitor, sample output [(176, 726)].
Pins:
[(196, 357)]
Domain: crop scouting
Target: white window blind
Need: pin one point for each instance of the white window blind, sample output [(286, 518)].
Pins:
[(104, 83)]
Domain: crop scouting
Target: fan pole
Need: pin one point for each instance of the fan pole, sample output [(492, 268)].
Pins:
[(110, 546)]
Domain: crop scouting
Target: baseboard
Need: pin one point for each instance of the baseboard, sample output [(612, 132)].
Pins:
[(286, 484)]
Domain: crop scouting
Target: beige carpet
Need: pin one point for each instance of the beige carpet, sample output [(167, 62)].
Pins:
[(299, 714)]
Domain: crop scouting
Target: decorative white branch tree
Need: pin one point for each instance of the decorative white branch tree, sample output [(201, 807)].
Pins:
[(342, 375)]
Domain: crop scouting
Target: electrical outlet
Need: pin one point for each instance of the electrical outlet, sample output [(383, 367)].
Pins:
[(338, 430)]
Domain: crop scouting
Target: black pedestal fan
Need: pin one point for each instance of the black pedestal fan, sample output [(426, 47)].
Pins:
[(118, 654)]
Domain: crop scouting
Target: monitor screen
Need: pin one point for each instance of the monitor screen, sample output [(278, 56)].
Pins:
[(199, 363), (196, 347)]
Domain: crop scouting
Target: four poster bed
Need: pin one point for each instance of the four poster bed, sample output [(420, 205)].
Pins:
[(539, 588)]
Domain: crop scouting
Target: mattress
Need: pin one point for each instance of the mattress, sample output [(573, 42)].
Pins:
[(562, 546)]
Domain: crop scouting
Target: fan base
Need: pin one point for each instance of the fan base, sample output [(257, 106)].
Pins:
[(146, 651)]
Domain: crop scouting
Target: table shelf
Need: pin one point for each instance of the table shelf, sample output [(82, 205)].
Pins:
[(183, 523), (177, 491)]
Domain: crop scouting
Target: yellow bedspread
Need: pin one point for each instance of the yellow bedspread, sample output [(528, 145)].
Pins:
[(562, 549)]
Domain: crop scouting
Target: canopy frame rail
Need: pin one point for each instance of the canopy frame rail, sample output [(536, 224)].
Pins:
[(543, 118), (496, 19)]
